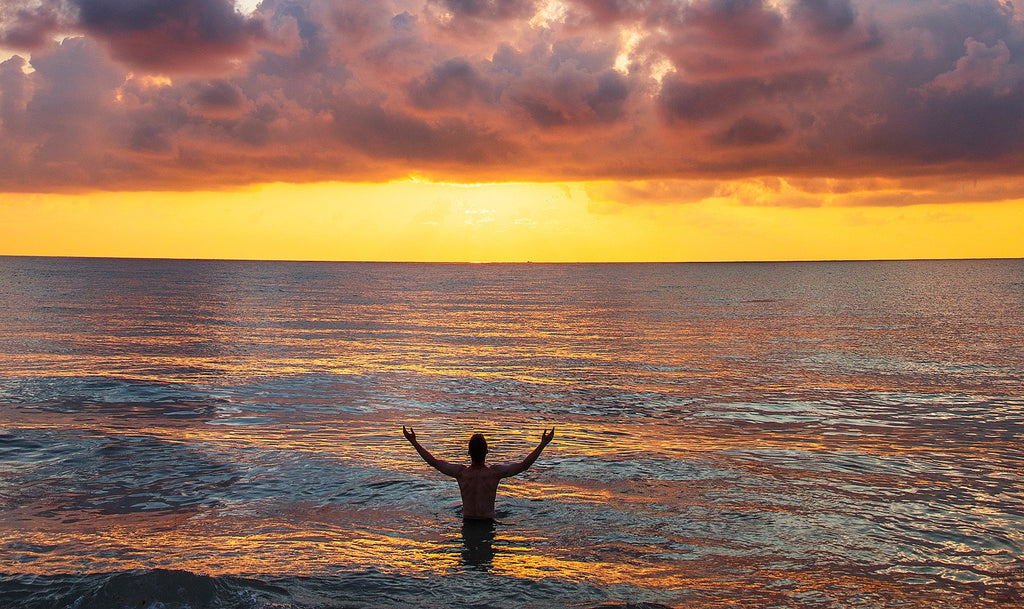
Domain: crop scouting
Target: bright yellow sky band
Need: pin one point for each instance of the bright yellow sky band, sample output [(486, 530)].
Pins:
[(414, 220)]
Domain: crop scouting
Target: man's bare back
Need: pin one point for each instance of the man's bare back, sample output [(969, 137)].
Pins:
[(478, 482)]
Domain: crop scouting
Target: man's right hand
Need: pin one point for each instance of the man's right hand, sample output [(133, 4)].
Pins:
[(547, 436)]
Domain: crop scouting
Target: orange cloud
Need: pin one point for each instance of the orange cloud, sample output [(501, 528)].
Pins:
[(517, 90)]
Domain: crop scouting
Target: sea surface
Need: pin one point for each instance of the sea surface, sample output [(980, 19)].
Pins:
[(229, 434)]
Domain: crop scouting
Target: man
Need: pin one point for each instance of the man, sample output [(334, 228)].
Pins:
[(478, 482)]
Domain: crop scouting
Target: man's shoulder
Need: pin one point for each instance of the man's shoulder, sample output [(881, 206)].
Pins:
[(449, 469), (476, 471), (502, 471)]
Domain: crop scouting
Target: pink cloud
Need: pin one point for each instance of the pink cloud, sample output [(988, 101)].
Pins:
[(981, 66), (505, 90)]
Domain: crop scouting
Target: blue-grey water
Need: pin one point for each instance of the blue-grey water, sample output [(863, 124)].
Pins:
[(228, 434)]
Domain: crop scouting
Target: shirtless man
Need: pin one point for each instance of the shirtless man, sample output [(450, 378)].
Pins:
[(478, 482)]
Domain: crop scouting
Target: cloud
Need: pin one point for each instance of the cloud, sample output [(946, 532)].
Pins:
[(696, 101), (219, 98), (452, 85), (164, 35), (192, 94), (27, 25), (489, 10), (736, 24), (807, 192), (385, 135), (751, 131), (826, 17), (981, 67)]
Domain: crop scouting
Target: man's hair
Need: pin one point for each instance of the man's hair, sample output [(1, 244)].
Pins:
[(478, 448)]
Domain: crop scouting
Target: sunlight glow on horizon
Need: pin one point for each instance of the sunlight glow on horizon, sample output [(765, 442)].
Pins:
[(422, 221)]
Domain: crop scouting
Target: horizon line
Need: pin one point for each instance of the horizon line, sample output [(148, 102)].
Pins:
[(506, 262)]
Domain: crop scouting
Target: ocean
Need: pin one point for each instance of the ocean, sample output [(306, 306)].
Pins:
[(229, 434)]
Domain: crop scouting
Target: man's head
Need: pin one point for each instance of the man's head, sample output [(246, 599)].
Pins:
[(478, 448)]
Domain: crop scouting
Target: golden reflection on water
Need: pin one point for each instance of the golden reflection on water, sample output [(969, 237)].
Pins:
[(254, 539), (259, 546), (692, 452)]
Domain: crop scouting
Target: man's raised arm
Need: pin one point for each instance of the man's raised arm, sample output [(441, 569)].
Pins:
[(448, 469), (517, 468)]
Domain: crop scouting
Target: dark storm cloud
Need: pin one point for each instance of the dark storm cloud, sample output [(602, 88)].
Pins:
[(219, 98), (751, 131), (166, 35), (570, 98), (573, 84), (388, 135), (702, 100), (826, 17), (130, 94), (489, 9), (150, 138), (977, 124), (453, 84)]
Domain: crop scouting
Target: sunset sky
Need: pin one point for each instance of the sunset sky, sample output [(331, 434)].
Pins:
[(510, 130)]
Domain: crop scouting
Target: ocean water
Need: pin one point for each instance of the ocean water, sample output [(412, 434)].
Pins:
[(228, 434)]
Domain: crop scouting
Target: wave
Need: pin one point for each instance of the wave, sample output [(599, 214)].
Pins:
[(153, 589), (179, 589)]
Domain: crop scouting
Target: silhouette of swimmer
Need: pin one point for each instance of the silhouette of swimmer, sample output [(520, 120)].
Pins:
[(478, 482)]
